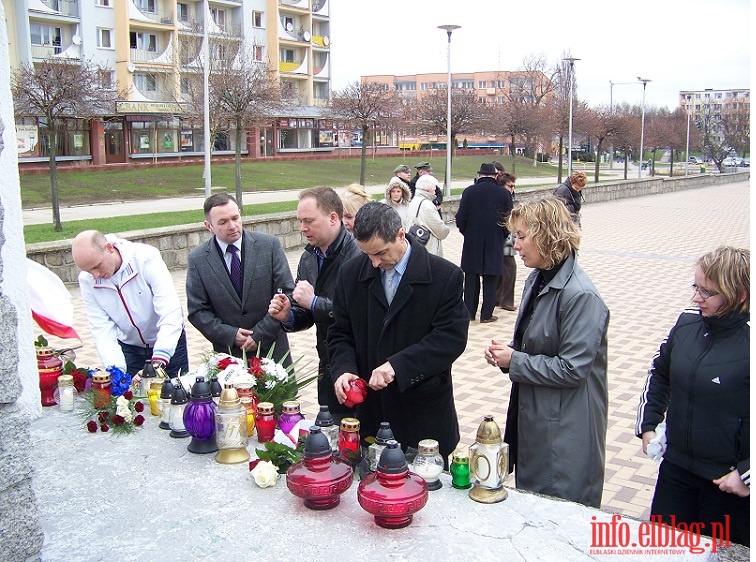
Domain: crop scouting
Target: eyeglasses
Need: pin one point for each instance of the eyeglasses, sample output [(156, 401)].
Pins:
[(703, 293)]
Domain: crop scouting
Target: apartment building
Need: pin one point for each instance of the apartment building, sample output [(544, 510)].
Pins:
[(490, 87), (152, 48), (715, 102)]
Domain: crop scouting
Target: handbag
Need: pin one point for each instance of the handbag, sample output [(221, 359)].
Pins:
[(421, 234), (509, 245)]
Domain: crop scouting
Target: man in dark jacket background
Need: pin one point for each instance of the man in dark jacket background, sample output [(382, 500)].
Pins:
[(399, 324), (329, 245), (482, 209)]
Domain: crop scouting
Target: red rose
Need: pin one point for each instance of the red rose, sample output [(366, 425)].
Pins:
[(118, 420), (102, 417), (80, 379), (104, 428), (139, 420), (139, 407), (128, 395), (356, 394), (253, 464), (255, 367), (223, 363), (92, 426)]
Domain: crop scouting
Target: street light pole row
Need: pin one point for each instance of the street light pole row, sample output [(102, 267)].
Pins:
[(570, 60), (447, 174), (643, 123)]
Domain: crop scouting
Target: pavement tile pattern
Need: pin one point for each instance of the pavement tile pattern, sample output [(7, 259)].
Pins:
[(640, 254)]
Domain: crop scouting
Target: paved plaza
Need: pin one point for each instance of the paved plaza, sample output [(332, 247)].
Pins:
[(640, 254)]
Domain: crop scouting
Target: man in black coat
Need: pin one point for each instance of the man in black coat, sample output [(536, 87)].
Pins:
[(399, 324), (482, 210), (329, 245)]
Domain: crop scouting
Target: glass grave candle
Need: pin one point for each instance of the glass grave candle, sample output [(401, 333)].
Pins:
[(290, 416), (231, 428), (392, 494), (265, 422), (460, 470), (328, 427), (199, 418), (166, 393), (50, 367), (349, 438), (101, 390), (489, 463), (178, 405), (320, 477), (428, 463), (382, 436), (66, 393)]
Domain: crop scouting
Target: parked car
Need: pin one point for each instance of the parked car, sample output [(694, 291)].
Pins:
[(694, 160)]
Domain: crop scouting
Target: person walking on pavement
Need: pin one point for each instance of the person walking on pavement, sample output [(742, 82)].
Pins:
[(483, 208), (230, 280), (506, 283), (569, 193), (329, 246)]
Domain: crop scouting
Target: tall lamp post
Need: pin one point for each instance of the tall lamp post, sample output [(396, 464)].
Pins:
[(570, 60), (447, 175), (206, 96), (643, 123), (687, 138)]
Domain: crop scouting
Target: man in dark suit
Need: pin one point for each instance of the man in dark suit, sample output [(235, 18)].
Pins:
[(482, 210), (399, 324), (230, 280), (329, 245)]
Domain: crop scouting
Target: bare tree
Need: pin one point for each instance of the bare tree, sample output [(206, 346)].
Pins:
[(715, 145), (534, 85), (602, 125), (736, 126), (628, 135), (364, 106), (58, 89)]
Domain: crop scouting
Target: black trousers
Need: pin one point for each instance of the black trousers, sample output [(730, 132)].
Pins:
[(136, 356), (472, 294), (506, 283), (692, 499)]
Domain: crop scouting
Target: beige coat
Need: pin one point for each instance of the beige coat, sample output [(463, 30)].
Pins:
[(429, 219)]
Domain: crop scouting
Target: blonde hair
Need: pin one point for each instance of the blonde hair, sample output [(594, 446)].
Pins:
[(578, 179), (549, 225), (729, 270), (354, 198)]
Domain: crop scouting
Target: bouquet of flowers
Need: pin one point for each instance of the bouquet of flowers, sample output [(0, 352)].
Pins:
[(119, 411), (271, 381)]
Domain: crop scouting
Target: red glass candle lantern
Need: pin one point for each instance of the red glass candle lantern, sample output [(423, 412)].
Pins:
[(393, 494), (50, 367), (320, 477), (357, 392), (349, 438), (265, 422), (101, 389)]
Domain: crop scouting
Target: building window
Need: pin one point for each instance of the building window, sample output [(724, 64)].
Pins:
[(258, 53), (287, 55), (104, 37), (424, 86), (106, 79), (219, 17), (143, 41), (104, 3), (718, 95), (288, 23), (44, 35), (182, 11), (481, 84), (146, 6), (257, 19), (145, 82)]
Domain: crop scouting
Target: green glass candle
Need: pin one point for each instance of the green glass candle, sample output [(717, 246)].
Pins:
[(460, 470)]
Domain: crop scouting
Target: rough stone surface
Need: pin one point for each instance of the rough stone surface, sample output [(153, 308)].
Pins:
[(20, 534), (15, 463), (106, 497)]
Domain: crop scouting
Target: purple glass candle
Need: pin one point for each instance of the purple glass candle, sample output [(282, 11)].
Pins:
[(199, 418), (289, 417)]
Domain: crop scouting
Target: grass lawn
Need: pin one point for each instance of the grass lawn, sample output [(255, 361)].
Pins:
[(85, 187)]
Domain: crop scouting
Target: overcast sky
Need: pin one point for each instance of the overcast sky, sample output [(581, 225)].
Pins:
[(679, 45)]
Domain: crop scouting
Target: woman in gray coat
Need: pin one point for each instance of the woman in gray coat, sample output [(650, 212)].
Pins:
[(556, 422)]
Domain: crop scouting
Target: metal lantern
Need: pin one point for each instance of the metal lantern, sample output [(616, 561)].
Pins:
[(489, 463), (166, 393), (231, 428), (178, 404)]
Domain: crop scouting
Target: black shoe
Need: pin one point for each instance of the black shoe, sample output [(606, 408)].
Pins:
[(487, 320)]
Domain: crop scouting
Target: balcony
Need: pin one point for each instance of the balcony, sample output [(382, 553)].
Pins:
[(321, 41), (65, 7), (301, 4), (150, 15), (320, 8), (67, 51)]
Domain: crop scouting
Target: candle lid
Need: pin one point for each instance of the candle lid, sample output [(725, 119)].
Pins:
[(324, 417), (166, 392), (229, 398), (265, 408), (392, 459), (461, 457), (290, 407), (65, 380), (488, 431), (384, 433), (101, 377), (350, 424), (317, 444), (427, 447)]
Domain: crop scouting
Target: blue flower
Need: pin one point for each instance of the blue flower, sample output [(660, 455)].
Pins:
[(120, 381)]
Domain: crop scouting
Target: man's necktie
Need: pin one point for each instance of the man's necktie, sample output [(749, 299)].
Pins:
[(392, 280), (236, 270)]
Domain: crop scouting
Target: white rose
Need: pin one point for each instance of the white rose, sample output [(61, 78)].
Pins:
[(265, 474)]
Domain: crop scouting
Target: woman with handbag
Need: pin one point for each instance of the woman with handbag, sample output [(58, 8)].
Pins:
[(424, 216)]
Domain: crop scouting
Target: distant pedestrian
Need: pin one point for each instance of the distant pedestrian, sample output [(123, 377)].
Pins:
[(569, 193), (506, 283), (481, 211), (353, 198), (424, 169), (423, 213), (398, 196), (403, 172)]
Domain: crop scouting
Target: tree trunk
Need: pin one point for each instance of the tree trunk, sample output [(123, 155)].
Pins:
[(625, 164), (559, 168), (671, 162), (53, 175), (514, 152), (598, 152), (363, 155), (238, 165)]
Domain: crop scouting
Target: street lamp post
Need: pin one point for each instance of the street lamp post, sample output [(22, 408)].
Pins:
[(643, 123), (687, 139), (447, 175), (571, 60), (206, 96)]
